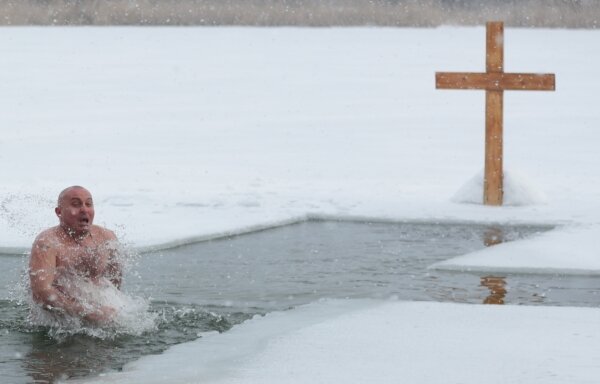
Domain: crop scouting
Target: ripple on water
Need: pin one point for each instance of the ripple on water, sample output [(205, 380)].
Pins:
[(48, 353)]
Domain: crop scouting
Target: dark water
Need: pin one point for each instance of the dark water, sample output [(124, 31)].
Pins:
[(216, 284)]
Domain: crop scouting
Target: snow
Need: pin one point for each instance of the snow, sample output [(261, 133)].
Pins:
[(184, 134), (388, 342)]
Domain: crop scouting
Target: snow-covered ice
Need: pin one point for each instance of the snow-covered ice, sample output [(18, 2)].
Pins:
[(570, 250), (388, 342), (191, 133)]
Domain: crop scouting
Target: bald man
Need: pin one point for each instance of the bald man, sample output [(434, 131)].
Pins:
[(72, 259)]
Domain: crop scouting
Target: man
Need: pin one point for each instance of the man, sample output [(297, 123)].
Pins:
[(68, 259)]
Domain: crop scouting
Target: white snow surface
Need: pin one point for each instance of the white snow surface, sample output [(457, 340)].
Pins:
[(191, 133), (388, 342)]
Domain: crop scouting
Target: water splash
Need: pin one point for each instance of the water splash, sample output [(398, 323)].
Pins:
[(26, 213), (132, 317)]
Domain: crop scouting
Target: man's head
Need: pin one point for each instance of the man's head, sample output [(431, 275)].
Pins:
[(75, 210)]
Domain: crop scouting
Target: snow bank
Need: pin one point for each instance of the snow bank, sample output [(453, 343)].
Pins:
[(388, 342)]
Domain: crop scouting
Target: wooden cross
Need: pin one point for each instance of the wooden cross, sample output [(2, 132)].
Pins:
[(495, 81)]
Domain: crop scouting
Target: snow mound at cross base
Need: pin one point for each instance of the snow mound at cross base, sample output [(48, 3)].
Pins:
[(519, 190)]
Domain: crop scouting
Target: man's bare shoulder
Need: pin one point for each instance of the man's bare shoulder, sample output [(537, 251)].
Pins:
[(45, 247), (103, 233), (47, 238)]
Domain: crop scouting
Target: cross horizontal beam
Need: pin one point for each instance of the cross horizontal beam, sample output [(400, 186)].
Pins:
[(499, 81)]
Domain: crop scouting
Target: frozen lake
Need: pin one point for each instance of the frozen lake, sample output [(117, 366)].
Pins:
[(216, 284)]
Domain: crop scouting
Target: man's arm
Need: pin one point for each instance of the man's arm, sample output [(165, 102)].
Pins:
[(42, 272), (114, 269)]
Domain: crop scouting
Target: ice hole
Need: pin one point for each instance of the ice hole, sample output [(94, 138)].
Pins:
[(213, 285)]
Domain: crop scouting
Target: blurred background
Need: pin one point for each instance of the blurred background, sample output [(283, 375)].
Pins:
[(395, 13)]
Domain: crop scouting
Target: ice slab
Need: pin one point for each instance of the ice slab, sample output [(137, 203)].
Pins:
[(569, 250)]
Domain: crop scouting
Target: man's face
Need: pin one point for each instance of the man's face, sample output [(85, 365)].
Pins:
[(76, 211)]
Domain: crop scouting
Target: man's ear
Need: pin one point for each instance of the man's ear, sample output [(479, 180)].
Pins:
[(57, 211)]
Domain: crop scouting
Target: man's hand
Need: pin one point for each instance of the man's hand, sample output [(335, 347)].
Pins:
[(101, 316)]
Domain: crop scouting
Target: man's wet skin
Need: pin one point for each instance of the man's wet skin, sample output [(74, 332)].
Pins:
[(73, 252)]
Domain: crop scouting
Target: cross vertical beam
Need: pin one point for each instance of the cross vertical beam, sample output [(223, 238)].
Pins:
[(493, 188), (494, 81)]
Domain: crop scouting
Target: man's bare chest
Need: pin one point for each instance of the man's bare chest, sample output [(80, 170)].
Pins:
[(84, 260)]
